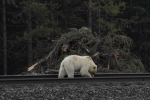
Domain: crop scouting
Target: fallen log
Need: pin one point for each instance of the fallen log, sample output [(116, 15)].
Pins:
[(44, 58), (54, 71)]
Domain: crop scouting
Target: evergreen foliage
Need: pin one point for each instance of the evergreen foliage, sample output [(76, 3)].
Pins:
[(117, 25), (82, 42)]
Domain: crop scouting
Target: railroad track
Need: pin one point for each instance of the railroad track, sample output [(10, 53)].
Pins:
[(51, 78)]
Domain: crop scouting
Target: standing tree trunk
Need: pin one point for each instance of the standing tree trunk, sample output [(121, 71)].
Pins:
[(90, 15), (30, 56), (131, 7), (4, 39), (99, 18)]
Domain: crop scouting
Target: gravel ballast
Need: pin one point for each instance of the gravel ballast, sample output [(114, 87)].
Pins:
[(77, 91)]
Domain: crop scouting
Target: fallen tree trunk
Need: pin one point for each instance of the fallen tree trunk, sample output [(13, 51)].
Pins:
[(53, 71), (45, 58)]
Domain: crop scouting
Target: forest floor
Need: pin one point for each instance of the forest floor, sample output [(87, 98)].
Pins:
[(77, 91)]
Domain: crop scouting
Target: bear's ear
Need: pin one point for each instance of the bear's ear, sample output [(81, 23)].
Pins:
[(94, 67), (89, 57)]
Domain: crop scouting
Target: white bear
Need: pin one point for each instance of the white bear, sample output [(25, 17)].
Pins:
[(74, 63)]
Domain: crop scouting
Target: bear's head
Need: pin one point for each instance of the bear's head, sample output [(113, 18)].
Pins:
[(93, 70)]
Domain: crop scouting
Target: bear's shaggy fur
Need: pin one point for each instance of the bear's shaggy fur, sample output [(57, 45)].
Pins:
[(74, 63)]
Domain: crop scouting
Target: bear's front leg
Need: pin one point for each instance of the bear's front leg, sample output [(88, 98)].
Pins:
[(92, 75), (84, 72)]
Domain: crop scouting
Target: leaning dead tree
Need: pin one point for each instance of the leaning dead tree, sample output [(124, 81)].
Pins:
[(45, 58), (51, 55), (111, 53)]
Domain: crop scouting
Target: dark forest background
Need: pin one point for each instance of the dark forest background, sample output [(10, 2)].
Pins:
[(30, 28)]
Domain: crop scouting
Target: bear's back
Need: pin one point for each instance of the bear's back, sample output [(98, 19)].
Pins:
[(77, 61), (77, 58)]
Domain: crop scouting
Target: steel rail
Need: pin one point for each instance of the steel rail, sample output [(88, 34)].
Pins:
[(76, 75), (51, 78)]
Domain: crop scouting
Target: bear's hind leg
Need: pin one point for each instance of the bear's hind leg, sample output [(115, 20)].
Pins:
[(70, 71), (62, 72)]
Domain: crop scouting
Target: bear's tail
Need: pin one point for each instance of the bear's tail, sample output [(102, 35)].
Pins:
[(62, 71)]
